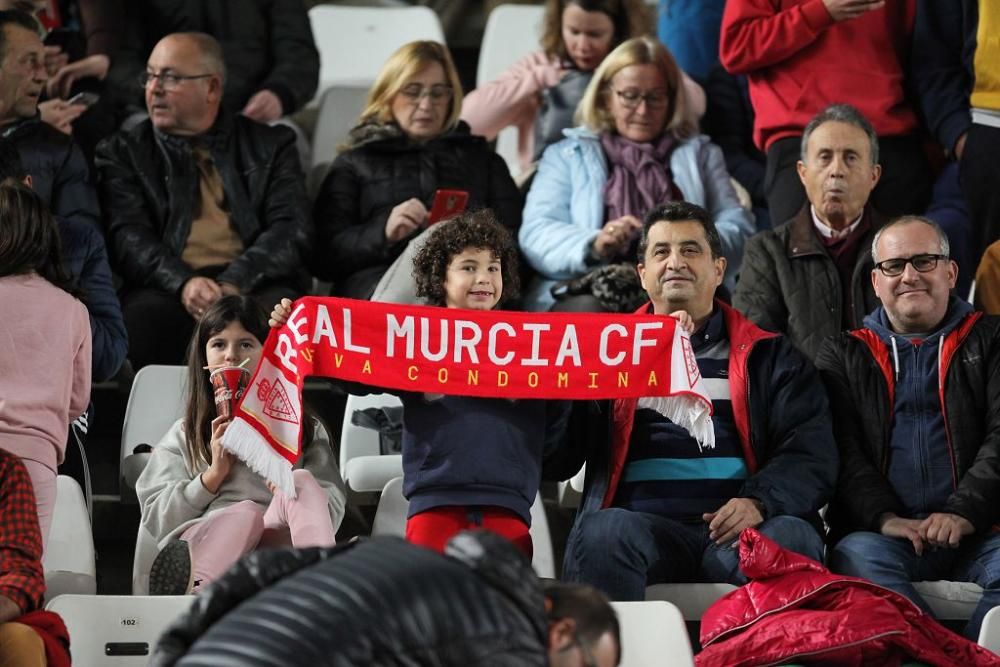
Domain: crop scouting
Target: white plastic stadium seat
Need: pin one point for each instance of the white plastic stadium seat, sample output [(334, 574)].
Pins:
[(364, 468), (952, 600), (949, 600), (354, 42), (691, 599), (653, 633), (989, 632), (390, 519), (154, 404), (512, 32), (339, 108), (69, 563), (116, 630)]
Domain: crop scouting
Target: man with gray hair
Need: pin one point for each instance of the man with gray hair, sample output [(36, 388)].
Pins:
[(915, 397), (809, 278), (201, 203)]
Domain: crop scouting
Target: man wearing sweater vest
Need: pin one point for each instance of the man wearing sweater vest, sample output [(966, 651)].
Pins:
[(200, 203), (956, 68), (810, 278), (804, 55), (657, 507), (916, 405)]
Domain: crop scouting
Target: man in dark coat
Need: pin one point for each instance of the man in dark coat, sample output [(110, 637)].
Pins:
[(200, 203), (58, 169), (809, 277), (659, 508), (385, 602), (916, 404)]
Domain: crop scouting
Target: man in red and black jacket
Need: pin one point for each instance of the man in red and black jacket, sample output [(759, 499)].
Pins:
[(657, 507), (916, 404)]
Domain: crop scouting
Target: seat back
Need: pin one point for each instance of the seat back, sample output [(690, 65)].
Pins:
[(354, 42), (154, 404), (989, 631), (69, 563), (390, 519), (653, 633), (512, 32), (339, 108), (691, 599), (356, 441), (116, 630)]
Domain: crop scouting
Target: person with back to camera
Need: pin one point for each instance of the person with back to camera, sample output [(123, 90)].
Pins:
[(45, 350), (408, 144), (539, 93), (202, 508), (467, 461), (636, 149)]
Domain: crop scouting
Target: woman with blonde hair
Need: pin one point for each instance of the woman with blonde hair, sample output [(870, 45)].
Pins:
[(635, 149), (407, 145), (539, 93)]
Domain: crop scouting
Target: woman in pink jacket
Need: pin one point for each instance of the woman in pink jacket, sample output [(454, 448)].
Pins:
[(540, 92), (44, 344)]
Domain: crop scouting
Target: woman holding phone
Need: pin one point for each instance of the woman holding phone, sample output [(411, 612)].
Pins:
[(407, 145)]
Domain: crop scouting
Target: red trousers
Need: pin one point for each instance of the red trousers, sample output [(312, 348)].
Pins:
[(433, 528)]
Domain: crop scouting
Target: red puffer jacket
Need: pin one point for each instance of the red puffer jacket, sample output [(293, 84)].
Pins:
[(794, 609)]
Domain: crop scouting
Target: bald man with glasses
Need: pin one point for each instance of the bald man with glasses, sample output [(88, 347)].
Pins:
[(201, 202), (915, 396)]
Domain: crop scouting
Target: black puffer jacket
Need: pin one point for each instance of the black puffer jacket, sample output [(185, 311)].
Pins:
[(267, 44), (149, 186), (857, 368), (383, 169), (789, 283), (381, 602), (59, 171)]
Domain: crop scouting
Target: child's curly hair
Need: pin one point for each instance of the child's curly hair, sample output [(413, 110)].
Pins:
[(476, 229)]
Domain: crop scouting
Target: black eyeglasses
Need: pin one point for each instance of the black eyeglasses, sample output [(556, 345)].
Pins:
[(169, 81), (922, 263)]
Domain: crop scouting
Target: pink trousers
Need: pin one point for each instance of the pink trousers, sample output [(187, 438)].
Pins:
[(225, 536), (43, 479)]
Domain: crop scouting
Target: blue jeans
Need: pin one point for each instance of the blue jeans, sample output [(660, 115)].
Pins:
[(892, 562), (621, 552)]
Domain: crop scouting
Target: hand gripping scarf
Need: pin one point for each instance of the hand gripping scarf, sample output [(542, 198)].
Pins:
[(495, 354)]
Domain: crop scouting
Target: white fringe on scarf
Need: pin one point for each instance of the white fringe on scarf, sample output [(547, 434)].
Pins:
[(250, 447), (693, 414)]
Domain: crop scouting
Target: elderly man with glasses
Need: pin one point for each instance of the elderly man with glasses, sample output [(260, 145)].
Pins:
[(916, 403), (200, 203)]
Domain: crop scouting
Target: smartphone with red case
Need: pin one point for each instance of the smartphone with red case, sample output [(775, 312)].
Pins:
[(447, 204)]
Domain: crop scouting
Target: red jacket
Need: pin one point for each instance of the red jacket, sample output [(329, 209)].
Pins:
[(795, 608), (799, 61)]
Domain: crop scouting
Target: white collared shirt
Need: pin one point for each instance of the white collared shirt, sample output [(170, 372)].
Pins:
[(828, 232)]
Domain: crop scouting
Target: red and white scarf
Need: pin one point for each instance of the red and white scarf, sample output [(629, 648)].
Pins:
[(497, 354)]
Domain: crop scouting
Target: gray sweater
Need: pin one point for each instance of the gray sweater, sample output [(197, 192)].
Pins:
[(173, 498)]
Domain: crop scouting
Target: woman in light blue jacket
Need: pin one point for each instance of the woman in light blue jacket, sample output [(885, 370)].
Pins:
[(635, 149)]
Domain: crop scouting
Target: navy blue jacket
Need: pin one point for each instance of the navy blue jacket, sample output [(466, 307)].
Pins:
[(467, 451), (781, 413), (944, 48), (919, 467), (858, 370), (87, 260)]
